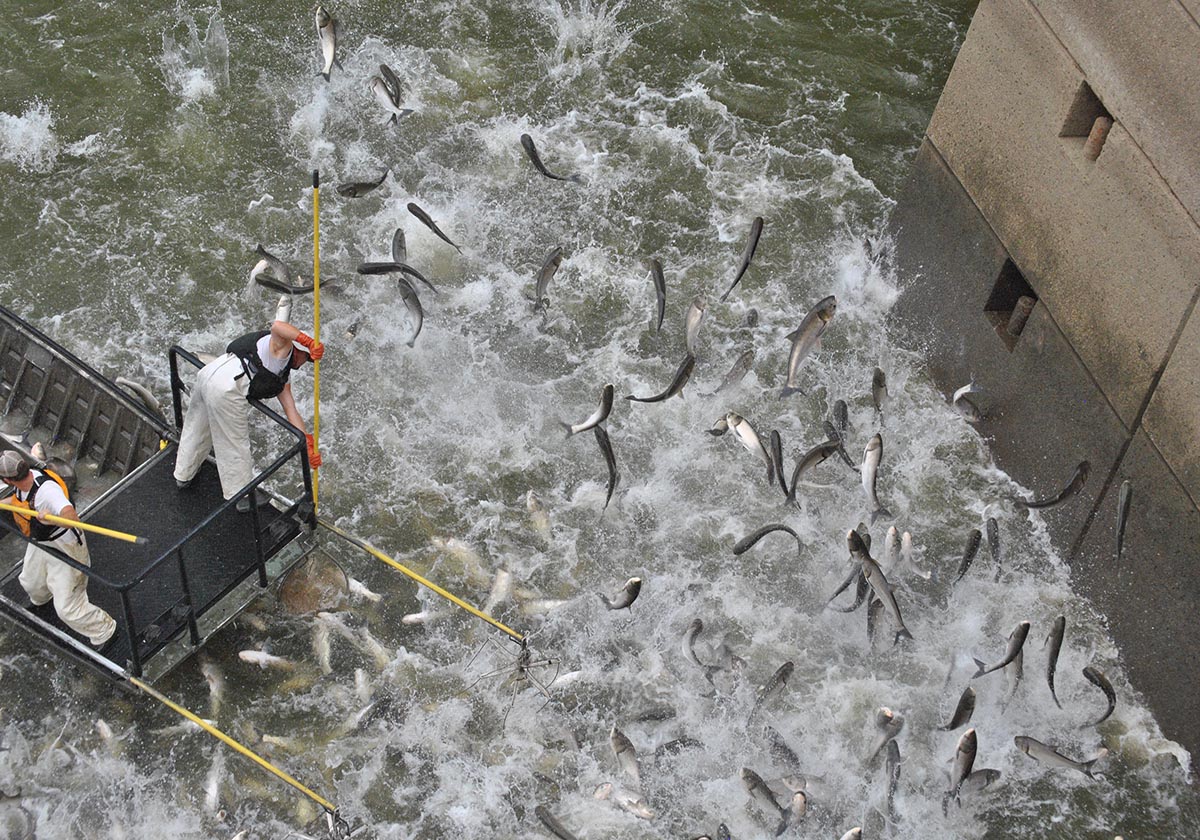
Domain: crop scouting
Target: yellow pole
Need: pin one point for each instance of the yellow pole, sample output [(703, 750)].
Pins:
[(316, 326), (74, 523), (454, 599), (250, 754)]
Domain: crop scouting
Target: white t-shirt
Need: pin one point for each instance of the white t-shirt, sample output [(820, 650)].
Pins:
[(50, 499), (271, 363)]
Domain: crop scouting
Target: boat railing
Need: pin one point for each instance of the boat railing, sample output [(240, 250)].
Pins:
[(147, 624)]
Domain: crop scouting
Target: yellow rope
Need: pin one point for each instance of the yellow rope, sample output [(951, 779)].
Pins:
[(75, 523), (253, 756), (454, 599), (316, 327)]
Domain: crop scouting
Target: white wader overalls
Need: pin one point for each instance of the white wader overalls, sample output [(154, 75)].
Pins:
[(45, 577)]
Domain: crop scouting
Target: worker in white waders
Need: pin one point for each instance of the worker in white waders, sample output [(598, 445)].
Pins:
[(256, 365), (43, 575)]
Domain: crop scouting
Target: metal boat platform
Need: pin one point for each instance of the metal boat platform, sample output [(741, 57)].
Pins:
[(203, 561)]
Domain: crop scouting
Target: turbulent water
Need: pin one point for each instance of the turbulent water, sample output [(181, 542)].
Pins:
[(145, 152)]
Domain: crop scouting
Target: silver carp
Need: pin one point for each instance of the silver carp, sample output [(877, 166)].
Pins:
[(964, 760), (805, 339), (545, 274), (1016, 640), (1096, 677), (771, 688), (624, 598), (682, 374), (625, 754), (660, 289), (597, 417), (428, 221), (746, 543), (357, 189), (879, 391), (1073, 486), (536, 160), (610, 458), (756, 228), (962, 712), (1055, 640), (1046, 754), (736, 373), (972, 548), (812, 458), (691, 323), (872, 456), (1123, 501), (328, 32)]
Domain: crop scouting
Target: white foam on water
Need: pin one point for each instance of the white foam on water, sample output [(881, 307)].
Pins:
[(28, 140)]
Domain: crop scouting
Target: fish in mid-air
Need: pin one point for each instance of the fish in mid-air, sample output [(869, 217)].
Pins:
[(610, 458), (805, 339), (682, 374), (756, 228), (660, 289), (328, 32), (624, 598), (357, 189), (386, 88), (872, 456), (426, 220), (531, 150), (1073, 486), (597, 417), (549, 268)]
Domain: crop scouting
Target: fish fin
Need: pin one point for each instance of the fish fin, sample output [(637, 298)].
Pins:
[(390, 120), (878, 512), (337, 63), (324, 75), (792, 335), (566, 426), (577, 179), (982, 666), (902, 633), (604, 598), (784, 822), (787, 391)]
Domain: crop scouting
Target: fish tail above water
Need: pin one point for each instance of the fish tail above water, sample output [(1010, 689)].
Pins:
[(902, 633), (788, 390)]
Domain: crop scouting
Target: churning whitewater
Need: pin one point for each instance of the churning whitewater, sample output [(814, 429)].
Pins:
[(681, 680)]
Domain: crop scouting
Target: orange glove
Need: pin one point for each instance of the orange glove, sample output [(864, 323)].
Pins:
[(315, 348), (314, 457)]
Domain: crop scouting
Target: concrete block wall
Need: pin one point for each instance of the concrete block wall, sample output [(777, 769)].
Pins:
[(1107, 368)]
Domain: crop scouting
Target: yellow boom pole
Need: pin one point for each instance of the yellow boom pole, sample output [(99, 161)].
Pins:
[(316, 326), (73, 523)]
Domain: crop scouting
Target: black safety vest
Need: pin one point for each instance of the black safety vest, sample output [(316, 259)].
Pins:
[(263, 383), (30, 526)]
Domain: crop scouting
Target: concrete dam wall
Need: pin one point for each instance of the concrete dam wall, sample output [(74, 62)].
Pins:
[(1062, 169)]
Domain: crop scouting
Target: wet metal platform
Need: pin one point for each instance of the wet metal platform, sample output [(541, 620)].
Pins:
[(203, 561)]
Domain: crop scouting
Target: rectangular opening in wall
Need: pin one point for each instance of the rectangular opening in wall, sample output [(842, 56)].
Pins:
[(1087, 124), (1009, 305)]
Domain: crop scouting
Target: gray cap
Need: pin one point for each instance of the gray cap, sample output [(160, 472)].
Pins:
[(11, 464)]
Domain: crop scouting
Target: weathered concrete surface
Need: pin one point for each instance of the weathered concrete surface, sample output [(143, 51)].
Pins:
[(948, 258), (1143, 67), (1108, 366), (1150, 598), (1108, 249), (1172, 420)]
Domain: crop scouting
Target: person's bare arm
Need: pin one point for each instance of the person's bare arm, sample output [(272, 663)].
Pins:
[(288, 402)]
